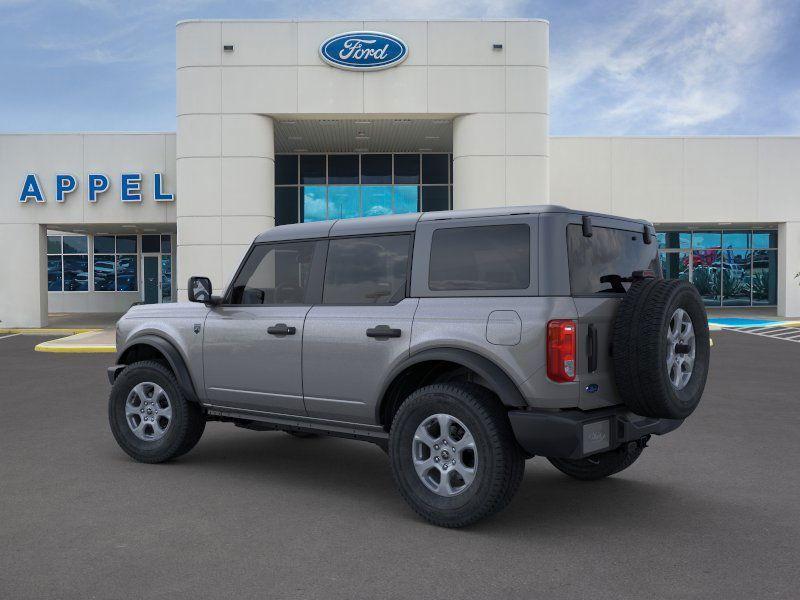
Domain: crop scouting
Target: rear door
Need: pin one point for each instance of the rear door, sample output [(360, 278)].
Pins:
[(615, 247), (361, 329)]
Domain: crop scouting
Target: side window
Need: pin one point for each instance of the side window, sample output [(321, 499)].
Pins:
[(274, 274), (490, 257), (366, 270)]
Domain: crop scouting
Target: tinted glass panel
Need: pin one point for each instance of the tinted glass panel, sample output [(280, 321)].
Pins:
[(274, 274), (286, 206), (495, 257), (406, 168), (54, 274), (76, 273), (406, 199), (765, 239), (166, 278), (707, 275), (675, 265), (736, 239), (736, 278), (343, 202), (104, 244), (376, 200), (151, 243), (434, 198), (312, 168), (75, 244), (126, 273), (126, 244), (285, 169), (434, 168), (166, 244), (343, 168), (103, 272), (369, 270), (765, 277), (54, 244), (376, 168), (313, 202), (674, 239), (707, 239), (607, 252)]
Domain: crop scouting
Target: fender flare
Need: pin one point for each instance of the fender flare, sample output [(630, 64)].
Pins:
[(500, 382), (174, 358)]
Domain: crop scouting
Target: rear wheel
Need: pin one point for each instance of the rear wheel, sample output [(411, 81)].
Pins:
[(601, 465), (454, 457), (149, 416)]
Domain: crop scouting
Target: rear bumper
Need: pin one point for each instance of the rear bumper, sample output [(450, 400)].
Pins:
[(579, 433)]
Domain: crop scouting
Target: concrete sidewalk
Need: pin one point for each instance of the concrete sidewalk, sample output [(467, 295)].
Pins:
[(83, 333), (90, 342)]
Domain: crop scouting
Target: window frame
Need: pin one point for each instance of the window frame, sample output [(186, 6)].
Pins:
[(89, 264), (137, 263)]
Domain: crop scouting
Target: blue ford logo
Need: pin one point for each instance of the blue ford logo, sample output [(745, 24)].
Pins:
[(363, 50)]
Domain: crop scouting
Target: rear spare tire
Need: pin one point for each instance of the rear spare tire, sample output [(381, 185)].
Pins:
[(660, 348)]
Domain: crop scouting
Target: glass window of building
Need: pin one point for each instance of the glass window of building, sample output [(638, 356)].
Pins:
[(731, 267), (115, 261), (342, 186), (67, 263)]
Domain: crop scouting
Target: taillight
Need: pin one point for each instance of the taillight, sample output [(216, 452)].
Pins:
[(561, 350)]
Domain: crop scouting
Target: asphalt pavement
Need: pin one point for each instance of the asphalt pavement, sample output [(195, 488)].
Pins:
[(709, 511)]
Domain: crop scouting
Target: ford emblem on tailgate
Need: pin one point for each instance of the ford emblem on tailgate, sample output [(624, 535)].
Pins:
[(363, 50)]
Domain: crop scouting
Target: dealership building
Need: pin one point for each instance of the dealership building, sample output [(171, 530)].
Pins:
[(290, 121)]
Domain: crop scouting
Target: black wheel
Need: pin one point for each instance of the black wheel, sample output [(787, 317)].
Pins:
[(600, 465), (149, 416), (660, 348), (454, 457), (302, 434)]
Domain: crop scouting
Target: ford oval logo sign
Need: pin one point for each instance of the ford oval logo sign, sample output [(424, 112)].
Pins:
[(363, 50)]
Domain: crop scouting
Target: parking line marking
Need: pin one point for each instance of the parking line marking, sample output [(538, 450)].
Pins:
[(2, 337)]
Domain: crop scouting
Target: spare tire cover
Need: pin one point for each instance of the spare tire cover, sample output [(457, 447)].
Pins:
[(660, 348)]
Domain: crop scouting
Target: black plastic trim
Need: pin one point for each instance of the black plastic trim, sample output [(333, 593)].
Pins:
[(174, 358)]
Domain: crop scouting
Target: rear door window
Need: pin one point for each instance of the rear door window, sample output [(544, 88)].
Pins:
[(366, 270), (607, 252), (490, 257)]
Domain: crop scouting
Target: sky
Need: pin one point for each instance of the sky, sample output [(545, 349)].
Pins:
[(638, 67)]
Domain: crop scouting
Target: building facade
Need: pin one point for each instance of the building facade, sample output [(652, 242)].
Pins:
[(287, 121)]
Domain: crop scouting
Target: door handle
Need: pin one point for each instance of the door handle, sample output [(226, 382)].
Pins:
[(281, 329), (383, 331)]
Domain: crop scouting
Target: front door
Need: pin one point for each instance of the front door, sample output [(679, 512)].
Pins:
[(150, 274), (252, 344)]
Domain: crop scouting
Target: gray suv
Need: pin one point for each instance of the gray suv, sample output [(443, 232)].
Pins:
[(461, 342)]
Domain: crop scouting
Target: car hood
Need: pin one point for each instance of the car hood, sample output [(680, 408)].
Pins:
[(171, 310)]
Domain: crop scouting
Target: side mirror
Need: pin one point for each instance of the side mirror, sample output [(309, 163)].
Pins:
[(199, 289)]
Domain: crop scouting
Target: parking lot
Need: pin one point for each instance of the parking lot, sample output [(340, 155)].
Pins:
[(710, 511)]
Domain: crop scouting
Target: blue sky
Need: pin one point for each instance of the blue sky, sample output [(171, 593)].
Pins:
[(668, 67)]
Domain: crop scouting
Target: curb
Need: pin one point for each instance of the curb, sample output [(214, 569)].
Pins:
[(45, 331), (98, 349)]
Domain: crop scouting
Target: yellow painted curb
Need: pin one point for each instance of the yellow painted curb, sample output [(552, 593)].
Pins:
[(46, 331), (97, 349)]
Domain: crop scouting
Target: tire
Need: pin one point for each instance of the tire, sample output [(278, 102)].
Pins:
[(496, 461), (660, 364), (166, 438), (601, 465)]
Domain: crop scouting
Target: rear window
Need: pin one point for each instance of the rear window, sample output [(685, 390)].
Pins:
[(607, 252), (491, 257)]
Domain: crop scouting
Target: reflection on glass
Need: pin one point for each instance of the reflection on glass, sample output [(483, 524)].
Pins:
[(706, 275), (166, 244), (707, 239), (126, 244), (166, 278), (54, 279), (736, 278), (406, 168), (104, 244), (343, 202), (54, 244), (126, 274), (765, 239), (675, 265), (104, 272), (376, 200), (343, 168), (314, 203), (376, 168), (674, 239), (76, 273), (765, 277), (312, 168), (75, 244), (405, 199), (736, 239)]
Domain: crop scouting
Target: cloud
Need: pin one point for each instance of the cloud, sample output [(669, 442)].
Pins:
[(672, 68)]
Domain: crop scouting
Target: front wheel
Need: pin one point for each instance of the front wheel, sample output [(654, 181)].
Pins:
[(149, 416), (453, 454)]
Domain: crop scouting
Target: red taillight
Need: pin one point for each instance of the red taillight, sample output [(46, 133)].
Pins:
[(561, 350)]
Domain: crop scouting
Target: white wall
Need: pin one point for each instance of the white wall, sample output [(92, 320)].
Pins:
[(226, 101)]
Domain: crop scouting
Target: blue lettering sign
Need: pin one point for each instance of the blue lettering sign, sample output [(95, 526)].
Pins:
[(131, 188), (158, 195), (363, 50), (31, 189), (98, 184), (65, 184)]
